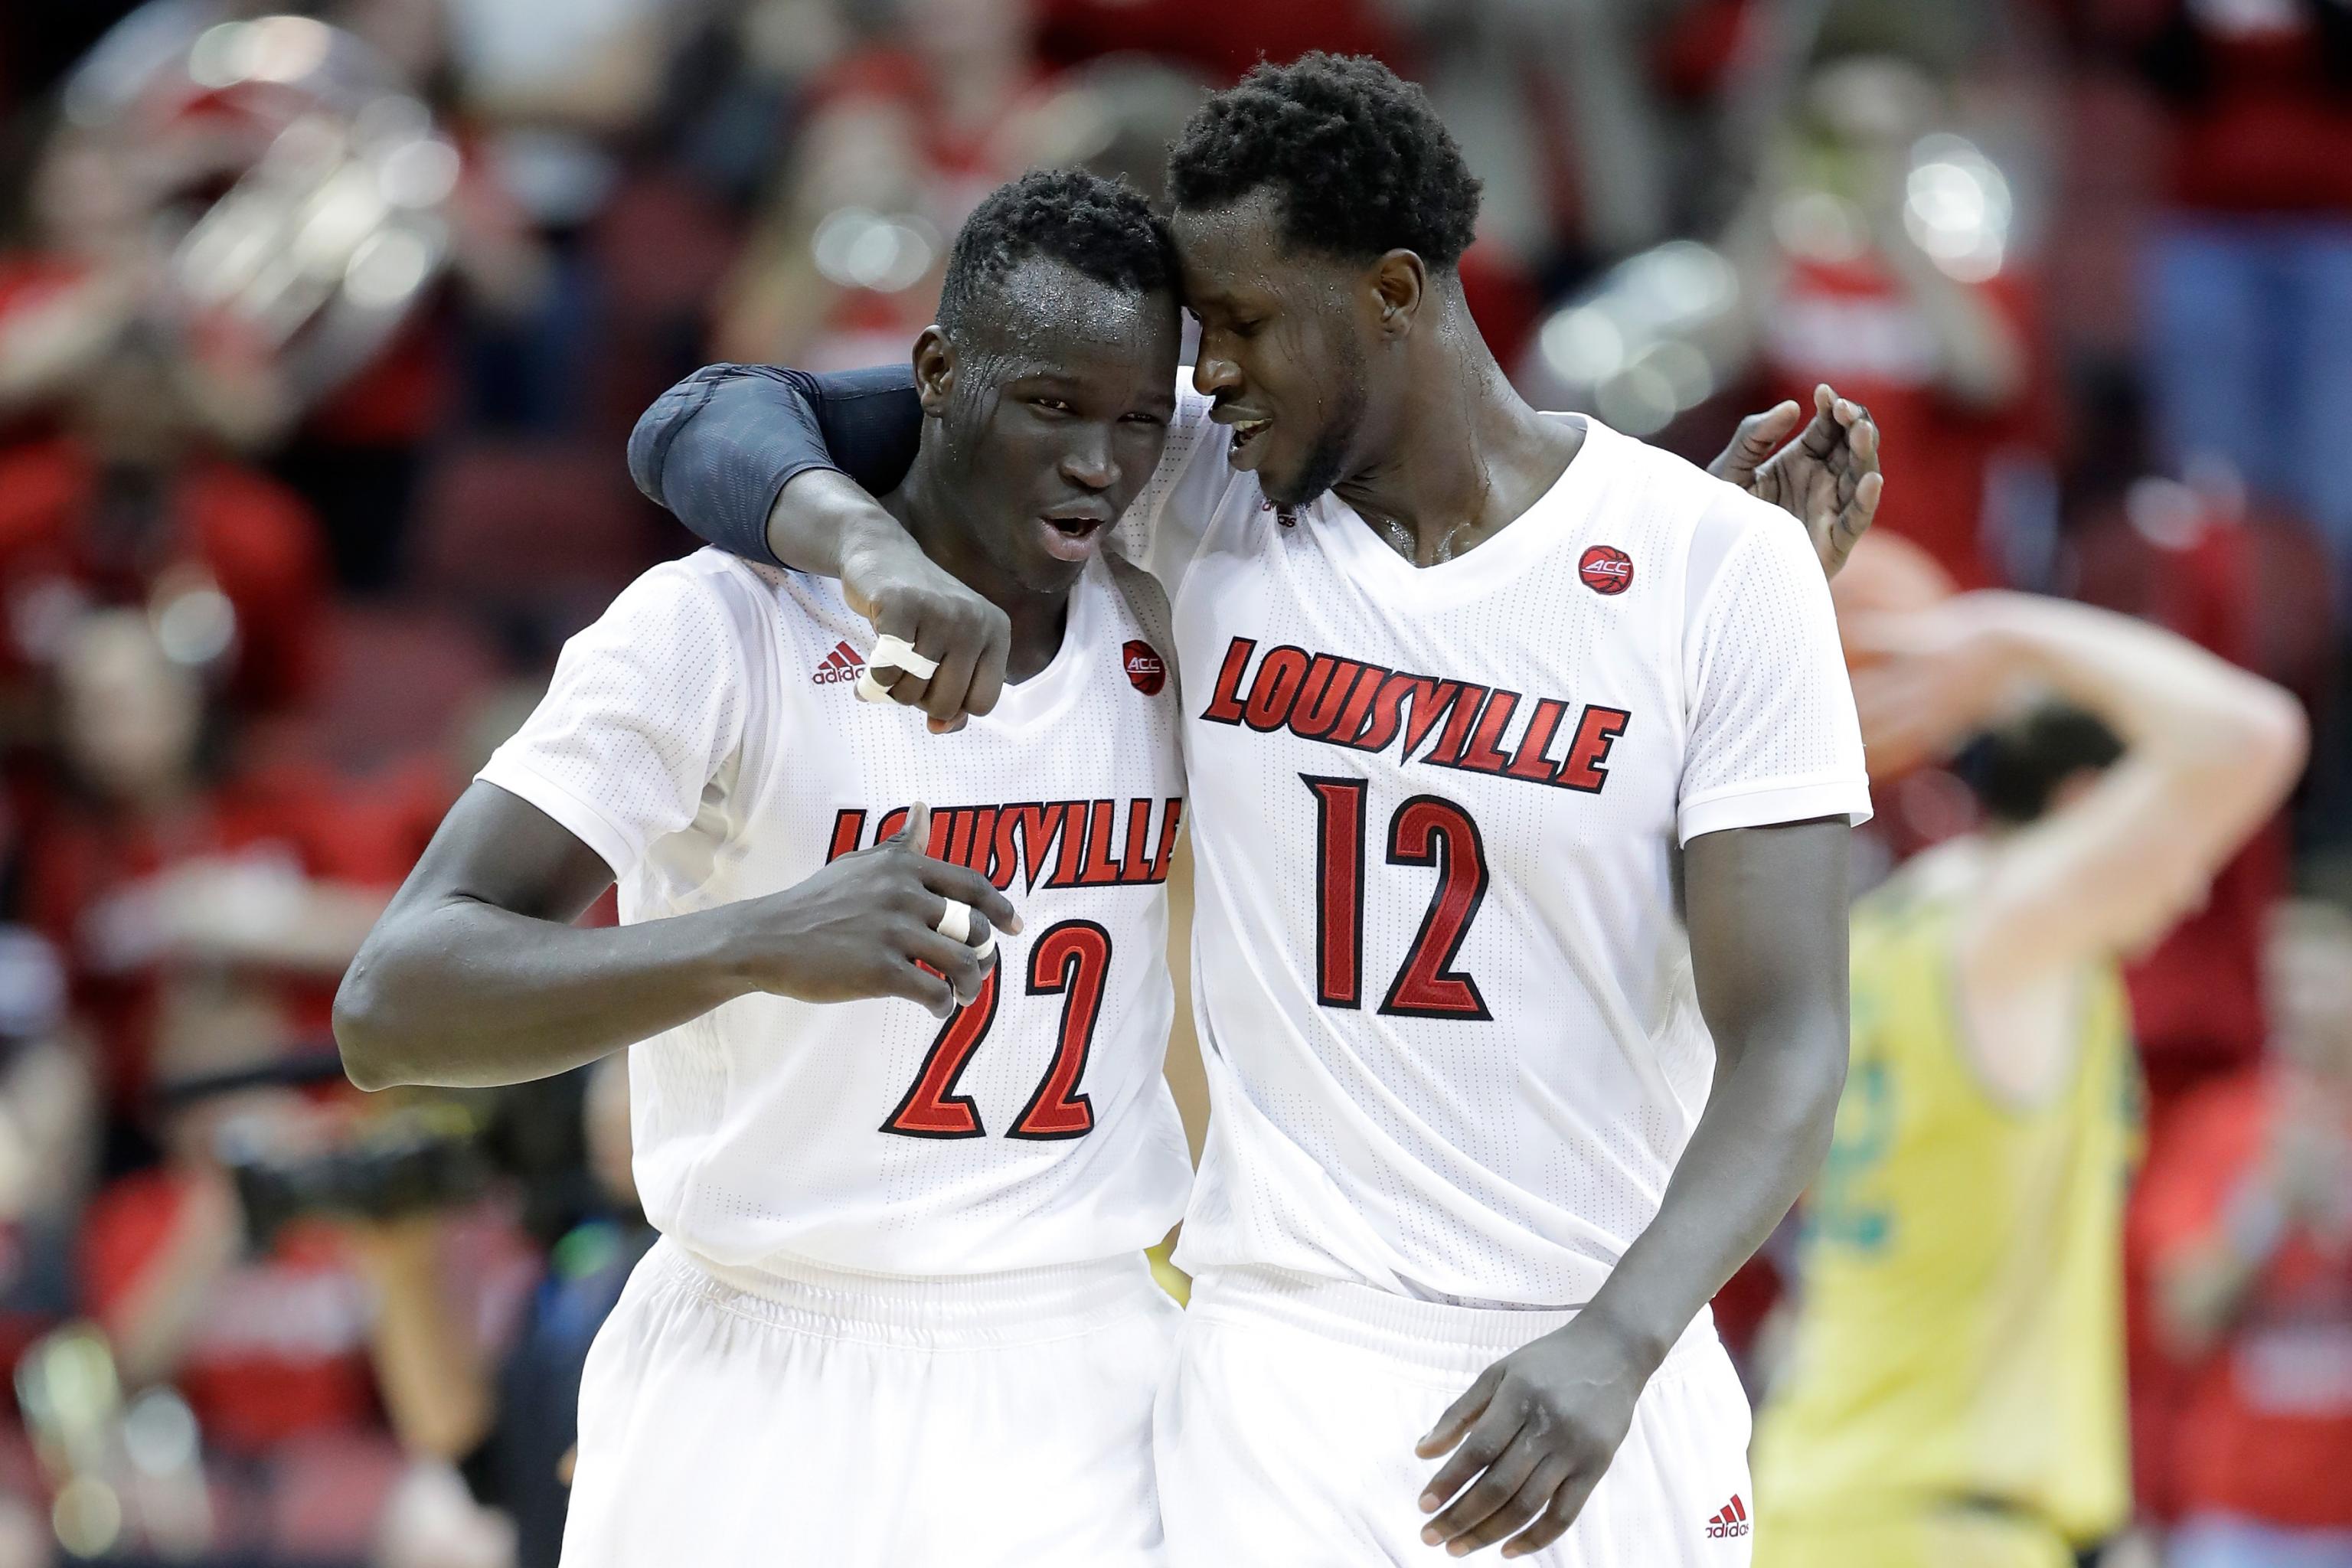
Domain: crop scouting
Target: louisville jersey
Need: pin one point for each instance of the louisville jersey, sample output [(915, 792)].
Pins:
[(704, 738), (1444, 989)]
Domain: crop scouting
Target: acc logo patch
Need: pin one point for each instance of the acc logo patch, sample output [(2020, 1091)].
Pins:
[(1606, 570), (1145, 668)]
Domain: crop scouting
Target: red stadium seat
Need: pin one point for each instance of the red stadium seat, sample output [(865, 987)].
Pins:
[(535, 536), (394, 683)]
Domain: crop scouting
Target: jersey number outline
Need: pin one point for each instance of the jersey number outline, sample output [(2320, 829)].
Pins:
[(1070, 960), (1426, 830)]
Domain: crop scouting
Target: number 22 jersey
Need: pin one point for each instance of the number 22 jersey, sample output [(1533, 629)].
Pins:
[(704, 738), (1443, 987)]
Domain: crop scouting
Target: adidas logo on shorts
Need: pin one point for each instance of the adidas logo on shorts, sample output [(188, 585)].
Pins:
[(841, 664), (1730, 1520)]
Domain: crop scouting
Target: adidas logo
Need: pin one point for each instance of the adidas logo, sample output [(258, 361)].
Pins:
[(1730, 1520), (841, 664)]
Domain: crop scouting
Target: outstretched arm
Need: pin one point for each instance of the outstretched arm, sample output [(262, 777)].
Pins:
[(1768, 933)]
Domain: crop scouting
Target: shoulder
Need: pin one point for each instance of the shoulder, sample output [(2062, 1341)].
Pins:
[(711, 581), (1145, 600), (707, 609), (1687, 512)]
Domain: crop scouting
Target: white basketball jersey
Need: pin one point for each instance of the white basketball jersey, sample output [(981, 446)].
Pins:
[(705, 738), (1444, 989)]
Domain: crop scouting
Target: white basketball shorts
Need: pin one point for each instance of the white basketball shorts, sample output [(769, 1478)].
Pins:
[(832, 1420), (1284, 1434)]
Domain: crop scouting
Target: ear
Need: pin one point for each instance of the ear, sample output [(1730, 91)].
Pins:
[(1400, 283), (935, 368)]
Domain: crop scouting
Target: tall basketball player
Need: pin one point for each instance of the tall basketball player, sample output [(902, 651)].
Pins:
[(901, 1313), (1523, 762)]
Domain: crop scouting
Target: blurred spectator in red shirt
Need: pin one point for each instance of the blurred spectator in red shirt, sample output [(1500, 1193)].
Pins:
[(131, 504), (2185, 557), (1880, 260), (2245, 1219), (195, 902), (293, 1347), (2248, 283)]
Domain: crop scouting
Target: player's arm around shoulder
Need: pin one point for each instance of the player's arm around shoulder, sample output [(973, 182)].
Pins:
[(476, 975), (751, 459)]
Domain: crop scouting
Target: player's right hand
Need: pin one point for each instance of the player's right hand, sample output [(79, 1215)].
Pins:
[(906, 593), (867, 923)]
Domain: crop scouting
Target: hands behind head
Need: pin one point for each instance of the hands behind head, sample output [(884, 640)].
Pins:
[(1924, 679), (1827, 478)]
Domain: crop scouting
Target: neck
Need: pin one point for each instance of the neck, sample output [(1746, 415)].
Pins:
[(922, 503), (1462, 456)]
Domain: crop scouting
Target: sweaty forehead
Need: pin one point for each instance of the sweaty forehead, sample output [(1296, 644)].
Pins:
[(1048, 313), (1239, 251)]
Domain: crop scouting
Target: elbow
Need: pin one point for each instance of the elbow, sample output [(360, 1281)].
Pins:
[(366, 1034), (2275, 739)]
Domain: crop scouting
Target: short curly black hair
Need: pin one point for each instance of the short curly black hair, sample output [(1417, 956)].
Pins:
[(1359, 159), (1102, 228), (2016, 768)]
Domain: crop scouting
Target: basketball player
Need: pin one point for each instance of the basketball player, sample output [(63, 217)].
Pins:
[(1522, 761), (901, 1313), (1955, 1393)]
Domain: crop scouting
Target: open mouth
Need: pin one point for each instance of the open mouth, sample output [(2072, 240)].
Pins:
[(1072, 538), (1249, 435)]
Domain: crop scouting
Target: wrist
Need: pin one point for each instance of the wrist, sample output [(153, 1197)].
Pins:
[(874, 544), (1639, 1337), (728, 957), (821, 522)]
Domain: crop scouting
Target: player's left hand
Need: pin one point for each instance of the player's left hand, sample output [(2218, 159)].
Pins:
[(1530, 1440), (1827, 479)]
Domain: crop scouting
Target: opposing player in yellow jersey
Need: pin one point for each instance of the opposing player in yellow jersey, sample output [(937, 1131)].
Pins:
[(1955, 1392)]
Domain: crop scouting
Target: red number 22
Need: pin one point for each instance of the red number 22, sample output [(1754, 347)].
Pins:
[(1068, 960)]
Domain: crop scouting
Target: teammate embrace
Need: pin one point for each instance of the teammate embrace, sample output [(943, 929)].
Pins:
[(1520, 760)]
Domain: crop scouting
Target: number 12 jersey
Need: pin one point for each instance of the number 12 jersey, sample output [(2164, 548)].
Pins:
[(1442, 984)]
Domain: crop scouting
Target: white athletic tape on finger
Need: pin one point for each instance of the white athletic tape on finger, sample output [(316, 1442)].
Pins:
[(872, 690), (955, 922), (988, 948), (897, 653)]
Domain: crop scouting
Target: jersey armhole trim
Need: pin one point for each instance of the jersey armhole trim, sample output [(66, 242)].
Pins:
[(1771, 802), (575, 814)]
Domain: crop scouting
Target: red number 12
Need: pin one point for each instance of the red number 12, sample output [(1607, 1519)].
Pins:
[(1425, 831)]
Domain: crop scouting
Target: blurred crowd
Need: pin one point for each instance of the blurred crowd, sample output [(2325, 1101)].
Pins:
[(322, 328)]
